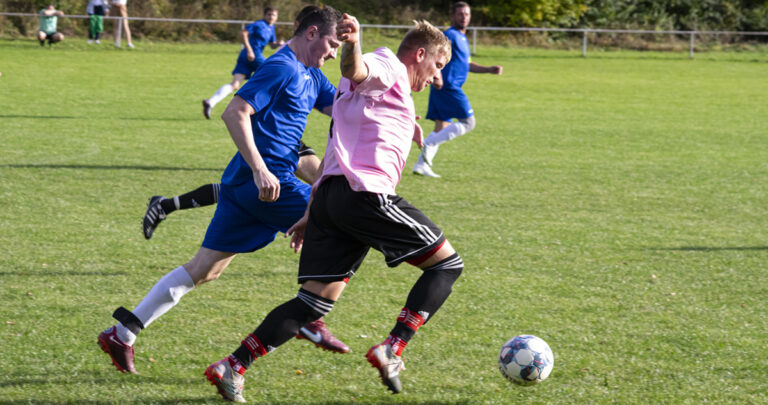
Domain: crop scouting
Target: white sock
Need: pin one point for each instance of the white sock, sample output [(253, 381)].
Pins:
[(220, 94), (163, 296), (452, 131), (125, 335)]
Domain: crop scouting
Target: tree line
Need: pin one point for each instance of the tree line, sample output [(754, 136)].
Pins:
[(715, 15)]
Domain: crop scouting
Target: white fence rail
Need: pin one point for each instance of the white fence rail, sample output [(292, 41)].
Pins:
[(474, 30)]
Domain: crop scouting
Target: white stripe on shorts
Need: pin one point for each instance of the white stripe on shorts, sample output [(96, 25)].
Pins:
[(397, 215)]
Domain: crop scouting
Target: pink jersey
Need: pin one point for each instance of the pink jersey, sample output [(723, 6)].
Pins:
[(373, 126)]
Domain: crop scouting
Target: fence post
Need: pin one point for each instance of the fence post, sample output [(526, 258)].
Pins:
[(584, 45), (242, 28), (690, 52), (474, 41), (119, 31), (359, 38)]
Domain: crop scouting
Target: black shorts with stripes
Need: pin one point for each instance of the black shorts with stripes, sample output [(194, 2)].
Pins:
[(344, 224)]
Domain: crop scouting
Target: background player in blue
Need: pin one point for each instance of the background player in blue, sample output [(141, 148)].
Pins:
[(254, 37), (446, 98), (260, 195)]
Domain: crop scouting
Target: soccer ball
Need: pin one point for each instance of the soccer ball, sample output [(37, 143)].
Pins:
[(526, 360)]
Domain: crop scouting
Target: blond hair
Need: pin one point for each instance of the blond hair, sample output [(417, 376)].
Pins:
[(427, 36)]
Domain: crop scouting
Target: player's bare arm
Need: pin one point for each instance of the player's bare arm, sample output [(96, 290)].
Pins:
[(475, 68), (418, 133), (352, 65), (237, 118), (247, 45)]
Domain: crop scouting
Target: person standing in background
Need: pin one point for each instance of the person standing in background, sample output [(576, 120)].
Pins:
[(120, 9), (95, 10)]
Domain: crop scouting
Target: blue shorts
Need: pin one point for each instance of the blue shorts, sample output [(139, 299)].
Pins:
[(246, 67), (243, 223), (446, 104)]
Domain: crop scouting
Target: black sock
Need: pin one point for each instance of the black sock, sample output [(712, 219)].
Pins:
[(281, 325), (199, 197), (434, 286)]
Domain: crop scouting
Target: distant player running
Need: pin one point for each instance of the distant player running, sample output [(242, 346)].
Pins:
[(260, 195), (354, 207), (446, 98), (254, 37)]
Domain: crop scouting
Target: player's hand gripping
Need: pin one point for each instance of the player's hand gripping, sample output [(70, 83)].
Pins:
[(348, 30), (268, 185), (296, 232)]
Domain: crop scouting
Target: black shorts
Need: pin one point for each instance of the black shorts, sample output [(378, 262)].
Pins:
[(305, 150), (344, 224)]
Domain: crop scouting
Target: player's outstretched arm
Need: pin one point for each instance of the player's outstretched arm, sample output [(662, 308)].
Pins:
[(475, 68), (237, 117), (247, 45), (352, 65)]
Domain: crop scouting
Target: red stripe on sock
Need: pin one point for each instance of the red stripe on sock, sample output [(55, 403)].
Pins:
[(412, 319), (236, 365), (397, 344), (253, 344)]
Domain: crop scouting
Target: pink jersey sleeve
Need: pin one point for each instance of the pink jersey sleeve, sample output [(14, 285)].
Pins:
[(381, 74)]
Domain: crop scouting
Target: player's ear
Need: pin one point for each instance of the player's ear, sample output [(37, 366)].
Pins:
[(421, 54), (311, 32)]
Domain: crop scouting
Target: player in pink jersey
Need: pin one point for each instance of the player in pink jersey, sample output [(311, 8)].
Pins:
[(354, 206)]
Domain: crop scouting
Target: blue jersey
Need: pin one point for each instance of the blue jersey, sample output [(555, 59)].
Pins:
[(283, 92), (456, 71), (259, 35)]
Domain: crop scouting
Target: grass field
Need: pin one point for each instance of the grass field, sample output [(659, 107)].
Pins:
[(615, 206)]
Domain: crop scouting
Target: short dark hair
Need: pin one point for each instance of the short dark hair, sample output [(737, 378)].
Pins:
[(269, 9), (305, 11), (325, 19), (457, 5)]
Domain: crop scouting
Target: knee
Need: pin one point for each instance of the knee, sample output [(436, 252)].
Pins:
[(469, 123), (201, 274), (450, 268)]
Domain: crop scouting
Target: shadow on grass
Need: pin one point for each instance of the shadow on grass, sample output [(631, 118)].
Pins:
[(711, 248), (45, 273), (69, 117), (35, 383), (217, 399), (110, 167)]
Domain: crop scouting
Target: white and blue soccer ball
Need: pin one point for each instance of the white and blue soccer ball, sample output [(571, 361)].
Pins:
[(526, 360)]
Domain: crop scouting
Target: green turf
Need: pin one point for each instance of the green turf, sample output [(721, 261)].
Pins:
[(614, 206)]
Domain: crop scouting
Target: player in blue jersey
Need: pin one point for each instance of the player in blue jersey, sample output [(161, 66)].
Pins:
[(446, 98), (254, 37), (160, 207), (260, 196)]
